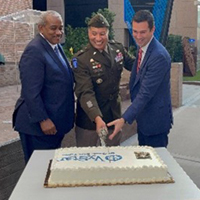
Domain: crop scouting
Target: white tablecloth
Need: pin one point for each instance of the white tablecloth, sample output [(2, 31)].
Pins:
[(30, 184)]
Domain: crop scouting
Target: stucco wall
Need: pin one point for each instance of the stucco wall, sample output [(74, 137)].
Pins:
[(117, 6), (184, 18), (9, 74)]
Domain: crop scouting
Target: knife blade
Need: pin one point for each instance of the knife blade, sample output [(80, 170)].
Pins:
[(103, 135)]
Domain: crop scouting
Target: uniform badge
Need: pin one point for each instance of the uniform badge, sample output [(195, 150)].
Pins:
[(74, 63), (99, 81), (95, 65), (89, 104), (119, 57)]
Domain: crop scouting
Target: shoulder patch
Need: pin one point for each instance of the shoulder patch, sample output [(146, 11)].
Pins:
[(74, 63)]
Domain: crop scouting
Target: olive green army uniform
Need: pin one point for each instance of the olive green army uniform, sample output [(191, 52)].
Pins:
[(97, 80)]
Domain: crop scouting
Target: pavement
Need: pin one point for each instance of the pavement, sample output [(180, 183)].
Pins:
[(184, 137), (8, 97)]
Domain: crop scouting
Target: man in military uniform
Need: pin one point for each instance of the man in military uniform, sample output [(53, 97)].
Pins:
[(97, 71)]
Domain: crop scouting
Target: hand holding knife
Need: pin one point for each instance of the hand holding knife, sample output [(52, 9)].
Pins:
[(103, 135)]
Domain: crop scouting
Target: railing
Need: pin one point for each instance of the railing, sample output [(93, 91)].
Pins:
[(159, 16), (128, 14)]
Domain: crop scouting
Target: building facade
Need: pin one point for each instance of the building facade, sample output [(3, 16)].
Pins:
[(184, 18)]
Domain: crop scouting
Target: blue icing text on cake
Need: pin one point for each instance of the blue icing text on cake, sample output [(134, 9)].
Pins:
[(97, 157)]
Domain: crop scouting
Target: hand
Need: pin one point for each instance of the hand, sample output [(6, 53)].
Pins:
[(48, 127), (118, 123), (100, 124)]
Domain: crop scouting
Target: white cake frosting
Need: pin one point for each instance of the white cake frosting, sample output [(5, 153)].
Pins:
[(106, 166)]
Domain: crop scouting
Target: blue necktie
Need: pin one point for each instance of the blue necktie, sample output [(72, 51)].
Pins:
[(56, 50)]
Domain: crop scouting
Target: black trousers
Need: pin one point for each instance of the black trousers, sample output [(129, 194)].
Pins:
[(33, 142)]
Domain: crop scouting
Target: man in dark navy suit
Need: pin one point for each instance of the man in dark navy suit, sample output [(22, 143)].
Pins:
[(44, 113), (149, 86)]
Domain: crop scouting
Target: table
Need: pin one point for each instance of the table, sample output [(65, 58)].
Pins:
[(30, 184)]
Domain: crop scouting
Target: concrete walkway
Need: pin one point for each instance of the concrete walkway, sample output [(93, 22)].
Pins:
[(8, 98), (184, 138)]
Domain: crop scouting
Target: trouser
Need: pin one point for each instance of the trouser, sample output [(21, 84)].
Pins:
[(85, 138), (159, 140), (33, 142)]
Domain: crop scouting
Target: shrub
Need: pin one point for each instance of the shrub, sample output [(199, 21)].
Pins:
[(76, 39), (175, 47)]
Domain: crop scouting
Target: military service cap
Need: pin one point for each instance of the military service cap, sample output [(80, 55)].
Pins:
[(98, 21)]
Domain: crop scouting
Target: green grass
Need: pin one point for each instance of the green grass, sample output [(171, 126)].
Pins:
[(192, 78)]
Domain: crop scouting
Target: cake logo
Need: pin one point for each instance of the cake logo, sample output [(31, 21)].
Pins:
[(142, 155), (113, 158), (97, 157)]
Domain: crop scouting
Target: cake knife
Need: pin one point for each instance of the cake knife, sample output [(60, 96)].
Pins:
[(102, 135)]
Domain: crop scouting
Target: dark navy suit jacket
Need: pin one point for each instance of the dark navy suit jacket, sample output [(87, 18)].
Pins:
[(150, 92), (47, 90)]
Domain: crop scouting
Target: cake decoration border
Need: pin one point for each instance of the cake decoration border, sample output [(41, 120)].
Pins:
[(47, 185)]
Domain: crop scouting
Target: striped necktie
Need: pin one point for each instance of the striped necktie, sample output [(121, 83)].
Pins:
[(139, 59)]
